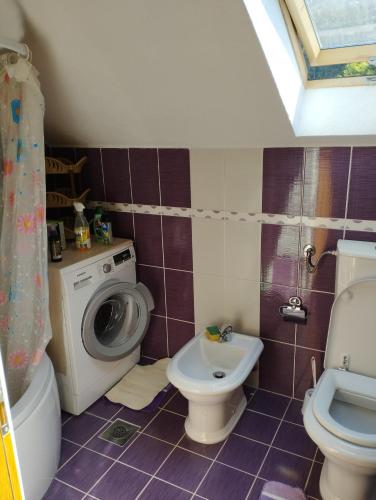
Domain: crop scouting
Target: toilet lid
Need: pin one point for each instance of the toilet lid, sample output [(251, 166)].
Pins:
[(345, 404), (352, 329)]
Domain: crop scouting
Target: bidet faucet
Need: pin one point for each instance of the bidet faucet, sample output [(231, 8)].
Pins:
[(225, 335)]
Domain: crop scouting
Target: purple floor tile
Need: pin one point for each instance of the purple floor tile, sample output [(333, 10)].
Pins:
[(255, 426), (159, 490), (320, 457), (286, 468), (84, 469), (103, 446), (65, 417), (223, 482), (207, 450), (314, 481), (68, 449), (294, 412), (141, 418), (293, 438), (120, 482), (104, 408), (167, 426), (243, 454), (61, 491), (146, 454), (178, 404), (256, 489), (248, 391), (269, 403), (80, 429), (184, 469)]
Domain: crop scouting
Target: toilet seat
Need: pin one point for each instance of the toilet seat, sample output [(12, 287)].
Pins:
[(360, 389)]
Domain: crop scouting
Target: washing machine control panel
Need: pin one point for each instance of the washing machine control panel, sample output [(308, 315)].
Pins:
[(121, 257)]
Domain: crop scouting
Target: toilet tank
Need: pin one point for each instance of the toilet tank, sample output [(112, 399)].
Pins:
[(355, 260)]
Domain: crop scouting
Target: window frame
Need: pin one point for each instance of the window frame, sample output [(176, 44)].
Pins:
[(323, 57), (296, 44)]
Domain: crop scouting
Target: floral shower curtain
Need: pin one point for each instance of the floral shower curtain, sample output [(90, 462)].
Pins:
[(24, 318)]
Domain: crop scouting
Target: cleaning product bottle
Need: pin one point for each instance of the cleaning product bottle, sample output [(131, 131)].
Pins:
[(97, 224), (106, 227), (81, 228)]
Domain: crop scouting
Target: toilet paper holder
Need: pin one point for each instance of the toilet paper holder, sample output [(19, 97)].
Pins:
[(294, 311)]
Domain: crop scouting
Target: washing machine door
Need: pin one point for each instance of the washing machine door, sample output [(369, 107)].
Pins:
[(116, 320)]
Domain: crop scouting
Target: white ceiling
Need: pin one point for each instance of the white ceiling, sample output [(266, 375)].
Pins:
[(156, 73)]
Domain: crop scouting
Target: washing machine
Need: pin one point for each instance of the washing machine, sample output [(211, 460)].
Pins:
[(99, 316)]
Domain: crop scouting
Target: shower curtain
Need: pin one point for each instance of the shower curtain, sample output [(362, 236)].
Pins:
[(24, 318)]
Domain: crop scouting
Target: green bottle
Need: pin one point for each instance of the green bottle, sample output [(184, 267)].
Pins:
[(97, 224)]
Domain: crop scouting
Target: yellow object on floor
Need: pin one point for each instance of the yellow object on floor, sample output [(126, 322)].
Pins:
[(139, 386)]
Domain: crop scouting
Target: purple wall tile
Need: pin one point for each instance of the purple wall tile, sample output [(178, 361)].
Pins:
[(155, 341), (184, 469), (148, 237), (293, 438), (179, 333), (286, 468), (177, 242), (120, 482), (279, 254), (116, 175), (269, 403), (303, 373), (179, 295), (91, 174), (122, 225), (323, 239), (272, 325), (362, 194), (325, 182), (314, 333), (360, 236), (174, 174), (282, 181), (243, 454), (146, 454), (153, 278), (224, 483), (276, 367), (145, 177)]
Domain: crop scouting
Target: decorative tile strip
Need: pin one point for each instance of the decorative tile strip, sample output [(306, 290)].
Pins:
[(231, 215)]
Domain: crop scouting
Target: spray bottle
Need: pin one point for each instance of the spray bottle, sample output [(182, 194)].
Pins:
[(81, 228)]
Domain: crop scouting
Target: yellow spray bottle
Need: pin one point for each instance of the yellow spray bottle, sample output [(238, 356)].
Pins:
[(81, 228)]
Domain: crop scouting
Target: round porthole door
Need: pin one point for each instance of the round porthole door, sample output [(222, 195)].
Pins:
[(116, 320)]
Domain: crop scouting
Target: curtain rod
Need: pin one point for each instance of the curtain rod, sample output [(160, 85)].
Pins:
[(20, 48)]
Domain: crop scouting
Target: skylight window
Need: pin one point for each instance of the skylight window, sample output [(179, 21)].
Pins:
[(336, 37)]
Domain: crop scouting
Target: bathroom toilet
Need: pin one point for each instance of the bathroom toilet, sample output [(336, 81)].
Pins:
[(210, 376), (341, 414)]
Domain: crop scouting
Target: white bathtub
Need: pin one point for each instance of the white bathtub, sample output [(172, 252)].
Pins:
[(37, 426)]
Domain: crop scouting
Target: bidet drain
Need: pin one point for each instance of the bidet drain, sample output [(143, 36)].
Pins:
[(219, 374)]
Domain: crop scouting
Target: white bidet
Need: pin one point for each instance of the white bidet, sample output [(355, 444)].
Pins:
[(210, 375)]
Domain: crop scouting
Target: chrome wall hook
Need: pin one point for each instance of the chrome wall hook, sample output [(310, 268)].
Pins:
[(309, 251)]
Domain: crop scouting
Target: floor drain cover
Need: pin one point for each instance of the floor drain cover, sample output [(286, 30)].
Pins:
[(219, 374), (119, 432)]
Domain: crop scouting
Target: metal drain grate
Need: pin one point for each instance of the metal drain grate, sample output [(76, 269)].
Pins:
[(119, 432)]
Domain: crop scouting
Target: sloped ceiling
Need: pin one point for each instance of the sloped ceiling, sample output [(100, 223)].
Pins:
[(155, 73)]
